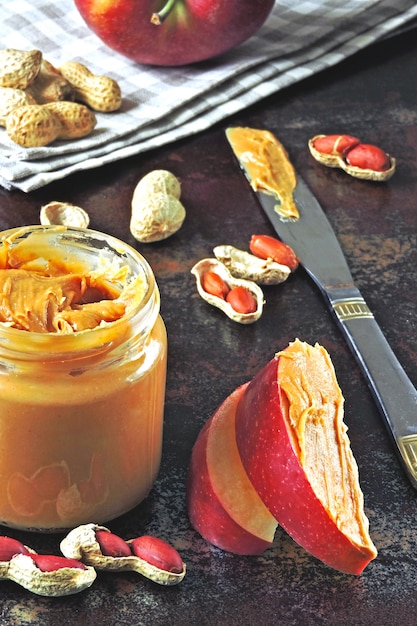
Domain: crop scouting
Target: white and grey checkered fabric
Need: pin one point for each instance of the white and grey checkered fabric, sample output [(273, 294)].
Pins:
[(162, 105)]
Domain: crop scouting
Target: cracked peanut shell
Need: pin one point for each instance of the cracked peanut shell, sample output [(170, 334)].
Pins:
[(242, 264), (64, 214), (61, 582), (214, 265), (81, 544), (339, 161)]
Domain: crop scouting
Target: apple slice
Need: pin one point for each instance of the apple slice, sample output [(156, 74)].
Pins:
[(293, 443), (223, 505)]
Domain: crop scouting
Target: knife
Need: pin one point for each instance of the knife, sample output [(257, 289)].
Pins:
[(313, 240)]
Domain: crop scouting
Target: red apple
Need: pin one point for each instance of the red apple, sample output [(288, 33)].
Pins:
[(319, 503), (173, 32), (223, 506)]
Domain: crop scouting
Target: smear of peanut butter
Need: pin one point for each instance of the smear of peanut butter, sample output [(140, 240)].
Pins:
[(267, 166), (314, 404)]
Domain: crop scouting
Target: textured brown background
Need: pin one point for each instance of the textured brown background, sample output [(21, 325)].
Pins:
[(373, 96)]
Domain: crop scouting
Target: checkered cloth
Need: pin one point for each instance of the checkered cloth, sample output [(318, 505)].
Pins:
[(162, 105)]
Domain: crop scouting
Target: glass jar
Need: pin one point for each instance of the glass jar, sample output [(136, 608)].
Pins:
[(81, 413)]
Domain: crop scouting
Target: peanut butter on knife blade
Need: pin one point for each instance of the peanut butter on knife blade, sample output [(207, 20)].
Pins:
[(267, 166)]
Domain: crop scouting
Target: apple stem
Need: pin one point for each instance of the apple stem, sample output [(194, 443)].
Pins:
[(160, 17)]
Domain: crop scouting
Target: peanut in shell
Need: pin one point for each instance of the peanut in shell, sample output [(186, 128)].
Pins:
[(19, 68)]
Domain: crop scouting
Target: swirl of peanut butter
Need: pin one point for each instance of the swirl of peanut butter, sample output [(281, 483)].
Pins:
[(44, 291)]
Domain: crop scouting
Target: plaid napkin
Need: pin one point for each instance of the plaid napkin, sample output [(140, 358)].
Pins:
[(162, 105)]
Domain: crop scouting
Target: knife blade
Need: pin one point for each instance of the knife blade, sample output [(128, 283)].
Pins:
[(313, 240)]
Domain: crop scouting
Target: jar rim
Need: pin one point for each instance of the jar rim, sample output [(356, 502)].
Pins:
[(141, 315)]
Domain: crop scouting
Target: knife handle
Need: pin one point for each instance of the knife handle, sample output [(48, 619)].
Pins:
[(393, 391)]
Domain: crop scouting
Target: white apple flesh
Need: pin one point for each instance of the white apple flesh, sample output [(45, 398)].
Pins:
[(223, 505)]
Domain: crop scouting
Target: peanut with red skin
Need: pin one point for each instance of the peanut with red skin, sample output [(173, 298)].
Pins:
[(357, 159), (158, 553), (368, 157), (241, 300), (112, 545), (9, 547), (152, 558), (335, 144), (49, 575), (267, 247), (51, 563), (215, 285)]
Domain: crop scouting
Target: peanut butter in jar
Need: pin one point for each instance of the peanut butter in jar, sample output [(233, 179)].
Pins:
[(83, 354)]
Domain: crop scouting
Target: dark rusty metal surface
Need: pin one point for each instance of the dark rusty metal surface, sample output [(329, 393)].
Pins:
[(373, 96)]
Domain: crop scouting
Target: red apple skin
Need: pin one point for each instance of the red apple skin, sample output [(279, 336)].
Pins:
[(195, 30), (277, 475), (206, 512)]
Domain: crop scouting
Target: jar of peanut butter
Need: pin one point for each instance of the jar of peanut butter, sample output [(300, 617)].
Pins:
[(82, 378)]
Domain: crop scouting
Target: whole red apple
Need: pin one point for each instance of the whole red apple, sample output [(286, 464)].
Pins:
[(173, 32)]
